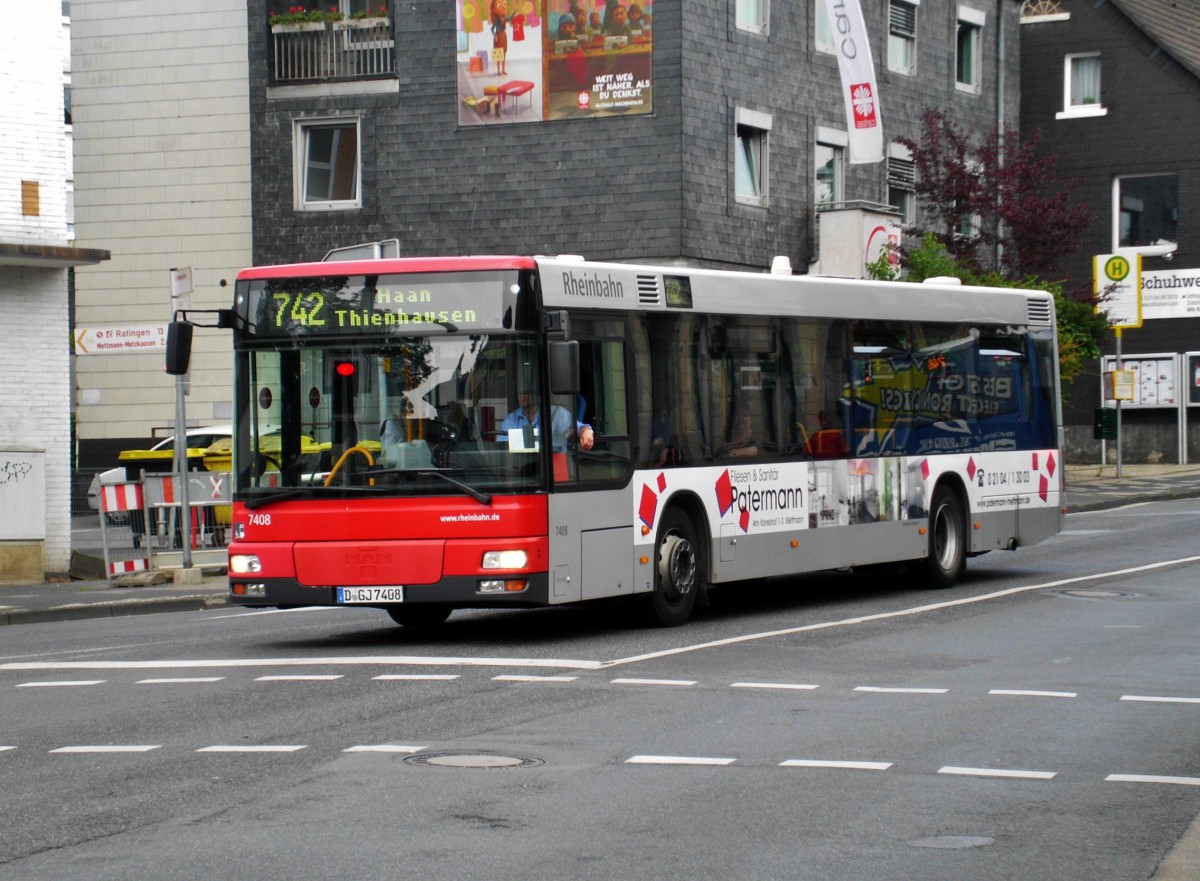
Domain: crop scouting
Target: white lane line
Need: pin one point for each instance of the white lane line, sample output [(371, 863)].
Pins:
[(249, 748), (59, 684), (881, 690), (677, 760), (337, 661), (249, 613), (653, 682), (998, 772), (180, 680), (6, 748), (383, 748), (1151, 778), (300, 677), (899, 613), (1160, 700), (830, 763), (1014, 692), (107, 748), (527, 678), (415, 677), (782, 685)]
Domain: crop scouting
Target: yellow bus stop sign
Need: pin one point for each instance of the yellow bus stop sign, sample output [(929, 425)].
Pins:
[(1117, 284)]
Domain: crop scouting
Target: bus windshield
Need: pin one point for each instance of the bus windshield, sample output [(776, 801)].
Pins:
[(396, 416)]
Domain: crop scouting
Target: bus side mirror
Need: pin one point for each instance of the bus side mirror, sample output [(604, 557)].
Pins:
[(564, 367), (179, 347)]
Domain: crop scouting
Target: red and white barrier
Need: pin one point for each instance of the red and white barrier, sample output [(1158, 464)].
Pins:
[(120, 567), (121, 497)]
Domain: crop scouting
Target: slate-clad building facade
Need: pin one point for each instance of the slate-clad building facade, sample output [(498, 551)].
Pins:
[(1115, 88)]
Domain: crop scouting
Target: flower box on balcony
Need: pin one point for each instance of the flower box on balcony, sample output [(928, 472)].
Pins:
[(297, 27), (354, 24)]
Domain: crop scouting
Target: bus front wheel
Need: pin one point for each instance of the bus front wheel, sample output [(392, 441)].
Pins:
[(421, 616), (678, 572), (947, 539)]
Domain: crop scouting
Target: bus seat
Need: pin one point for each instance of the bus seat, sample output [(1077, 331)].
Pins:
[(828, 443)]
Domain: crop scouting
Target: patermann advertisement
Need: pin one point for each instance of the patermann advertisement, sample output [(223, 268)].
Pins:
[(538, 60)]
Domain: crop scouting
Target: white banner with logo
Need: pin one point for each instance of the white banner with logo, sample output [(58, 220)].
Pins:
[(859, 89)]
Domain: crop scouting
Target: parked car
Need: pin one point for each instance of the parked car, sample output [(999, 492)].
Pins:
[(159, 457)]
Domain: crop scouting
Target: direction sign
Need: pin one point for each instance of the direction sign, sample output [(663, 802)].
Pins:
[(1118, 288), (124, 339)]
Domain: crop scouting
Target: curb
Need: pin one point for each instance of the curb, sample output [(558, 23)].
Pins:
[(115, 609), (1131, 499)]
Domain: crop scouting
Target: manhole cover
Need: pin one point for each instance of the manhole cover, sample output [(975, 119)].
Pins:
[(954, 842), (471, 760), (1095, 594)]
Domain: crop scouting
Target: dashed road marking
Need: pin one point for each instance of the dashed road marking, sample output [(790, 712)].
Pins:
[(528, 678), (300, 677), (1151, 778), (677, 760), (63, 684), (416, 677), (653, 681), (108, 748), (881, 690), (998, 772), (1014, 692), (835, 763), (1160, 700), (252, 748), (780, 685), (383, 748), (180, 680)]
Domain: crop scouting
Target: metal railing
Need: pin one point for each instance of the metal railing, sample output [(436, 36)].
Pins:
[(343, 50)]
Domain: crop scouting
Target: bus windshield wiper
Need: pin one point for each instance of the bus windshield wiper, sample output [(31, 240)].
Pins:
[(259, 500), (477, 494)]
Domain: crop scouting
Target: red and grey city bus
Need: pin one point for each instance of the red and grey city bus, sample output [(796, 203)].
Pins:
[(743, 425)]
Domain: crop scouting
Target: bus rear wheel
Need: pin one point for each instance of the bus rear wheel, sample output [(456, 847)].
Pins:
[(947, 558), (678, 572), (419, 617)]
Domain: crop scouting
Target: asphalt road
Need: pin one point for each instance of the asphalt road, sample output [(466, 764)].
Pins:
[(1035, 722)]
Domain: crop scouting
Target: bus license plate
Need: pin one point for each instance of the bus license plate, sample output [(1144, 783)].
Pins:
[(392, 594)]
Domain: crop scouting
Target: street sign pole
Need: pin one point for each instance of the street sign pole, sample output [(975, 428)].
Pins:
[(1118, 330), (1118, 277), (181, 298)]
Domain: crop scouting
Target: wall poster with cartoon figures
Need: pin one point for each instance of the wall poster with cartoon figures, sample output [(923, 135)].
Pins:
[(536, 60)]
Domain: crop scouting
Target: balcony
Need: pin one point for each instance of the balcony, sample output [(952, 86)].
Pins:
[(318, 52)]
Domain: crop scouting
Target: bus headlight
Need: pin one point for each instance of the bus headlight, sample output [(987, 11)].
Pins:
[(505, 560), (244, 564)]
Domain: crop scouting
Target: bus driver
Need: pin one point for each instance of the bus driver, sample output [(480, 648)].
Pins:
[(527, 414)]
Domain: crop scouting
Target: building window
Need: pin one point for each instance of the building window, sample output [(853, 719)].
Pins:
[(1043, 10), (828, 159), (1145, 210), (1081, 86), (752, 15), (822, 27), (750, 157), (902, 182), (327, 164), (968, 45), (902, 36)]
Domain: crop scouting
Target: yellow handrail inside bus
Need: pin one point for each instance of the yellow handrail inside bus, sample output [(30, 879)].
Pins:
[(355, 449)]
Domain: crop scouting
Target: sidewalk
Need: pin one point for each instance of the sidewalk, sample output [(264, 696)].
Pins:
[(1089, 488)]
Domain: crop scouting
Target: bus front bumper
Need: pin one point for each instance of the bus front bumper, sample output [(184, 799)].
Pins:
[(459, 591)]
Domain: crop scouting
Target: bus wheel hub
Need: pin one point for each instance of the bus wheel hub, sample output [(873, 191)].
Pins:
[(676, 565)]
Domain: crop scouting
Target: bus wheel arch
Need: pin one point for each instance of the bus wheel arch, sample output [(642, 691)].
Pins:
[(949, 540), (680, 564)]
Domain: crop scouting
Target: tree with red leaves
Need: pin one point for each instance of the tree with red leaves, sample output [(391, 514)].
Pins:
[(995, 204)]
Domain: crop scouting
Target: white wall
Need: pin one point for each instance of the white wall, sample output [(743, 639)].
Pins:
[(162, 180), (34, 330)]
